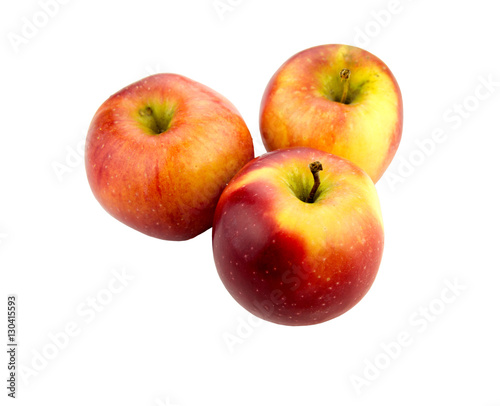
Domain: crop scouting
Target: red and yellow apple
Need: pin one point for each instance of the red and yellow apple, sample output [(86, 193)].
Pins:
[(160, 151), (336, 98), (296, 248)]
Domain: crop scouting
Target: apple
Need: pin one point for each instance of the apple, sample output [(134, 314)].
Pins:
[(159, 153), (336, 98), (295, 247)]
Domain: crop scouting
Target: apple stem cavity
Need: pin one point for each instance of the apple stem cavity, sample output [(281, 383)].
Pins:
[(153, 121), (315, 167), (345, 74)]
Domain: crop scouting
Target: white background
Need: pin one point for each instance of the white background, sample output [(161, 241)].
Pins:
[(163, 339)]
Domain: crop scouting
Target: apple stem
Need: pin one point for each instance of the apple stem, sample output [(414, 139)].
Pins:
[(146, 112), (345, 74), (315, 167)]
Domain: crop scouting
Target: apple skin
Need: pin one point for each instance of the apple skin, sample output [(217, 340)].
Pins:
[(301, 107), (160, 152), (291, 262)]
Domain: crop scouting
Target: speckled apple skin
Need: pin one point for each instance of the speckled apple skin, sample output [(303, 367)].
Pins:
[(291, 262), (167, 185), (297, 111)]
